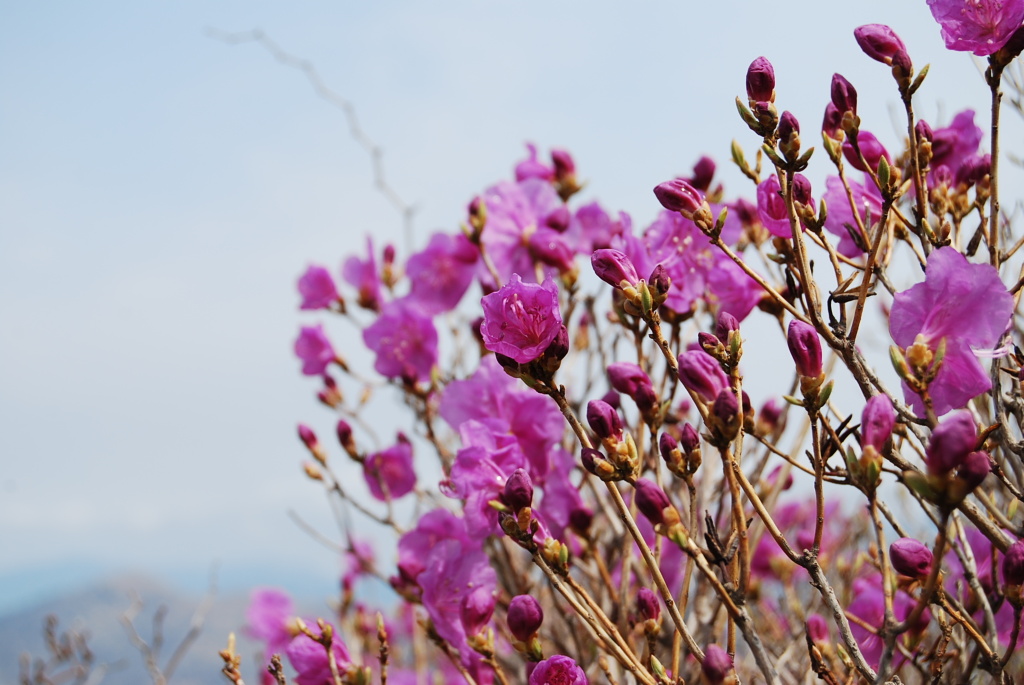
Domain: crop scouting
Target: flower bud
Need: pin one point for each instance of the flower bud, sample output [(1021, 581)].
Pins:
[(911, 558), (844, 95), (805, 347), (532, 167), (817, 629), (761, 80), (974, 170), (614, 268), (951, 442), (725, 325), (717, 665), (565, 166), (703, 173), (975, 467), (789, 134), (679, 196), (580, 518), (344, 432), (879, 42), (659, 280), (648, 605), (689, 439), (877, 421), (1013, 564), (476, 610), (630, 379), (771, 416), (924, 130), (702, 374), (525, 617), (518, 492), (832, 123), (308, 437), (802, 190), (604, 420), (558, 219), (724, 418), (870, 148), (651, 500), (668, 447)]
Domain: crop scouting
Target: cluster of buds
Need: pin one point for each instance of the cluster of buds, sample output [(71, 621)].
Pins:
[(726, 344), (682, 456), (759, 114), (623, 461), (954, 465), (629, 379), (640, 298)]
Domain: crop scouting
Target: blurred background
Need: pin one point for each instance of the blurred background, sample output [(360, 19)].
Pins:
[(161, 191)]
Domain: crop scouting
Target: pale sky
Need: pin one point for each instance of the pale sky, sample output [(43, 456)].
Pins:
[(160, 193)]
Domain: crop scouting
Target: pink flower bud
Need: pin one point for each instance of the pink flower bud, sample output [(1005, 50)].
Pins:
[(973, 170), (877, 421), (476, 609), (689, 439), (580, 518), (648, 605), (651, 500), (604, 420), (308, 437), (911, 558), (844, 95), (1013, 564), (924, 131), (771, 414), (701, 373), (802, 190), (761, 80), (951, 442), (614, 268), (817, 629), (805, 347), (678, 196), (564, 164), (589, 456), (832, 123), (725, 325), (518, 490), (879, 42), (974, 469), (703, 173), (630, 379), (788, 128), (524, 617), (532, 167), (726, 407), (659, 280), (870, 147), (558, 219), (717, 665), (667, 445)]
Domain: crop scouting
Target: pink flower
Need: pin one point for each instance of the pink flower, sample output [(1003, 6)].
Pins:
[(955, 144), (968, 305), (978, 26), (389, 473), (532, 167), (870, 148), (405, 341), (440, 275), (314, 349), (310, 661), (558, 670), (840, 213), (267, 618), (317, 288), (521, 319), (771, 205), (362, 274), (515, 211)]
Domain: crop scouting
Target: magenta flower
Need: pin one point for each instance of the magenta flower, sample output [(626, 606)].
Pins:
[(840, 220), (968, 305), (405, 341), (531, 167), (515, 211), (978, 26), (868, 605), (951, 442), (317, 288), (953, 145), (413, 547), (314, 349), (267, 618), (558, 670), (870, 148), (591, 228), (701, 373), (362, 274), (771, 205), (521, 319), (309, 658), (440, 274), (389, 474), (614, 268)]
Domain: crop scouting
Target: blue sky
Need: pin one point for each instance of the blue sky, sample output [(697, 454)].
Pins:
[(160, 192)]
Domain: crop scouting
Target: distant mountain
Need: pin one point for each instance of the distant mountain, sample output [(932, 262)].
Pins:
[(97, 611)]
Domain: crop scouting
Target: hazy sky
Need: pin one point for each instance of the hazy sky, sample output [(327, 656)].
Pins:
[(160, 192)]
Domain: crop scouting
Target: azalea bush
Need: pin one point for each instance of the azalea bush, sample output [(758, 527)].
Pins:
[(580, 488)]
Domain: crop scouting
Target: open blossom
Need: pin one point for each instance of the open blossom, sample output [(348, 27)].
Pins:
[(440, 274), (362, 274), (405, 341), (317, 288), (521, 319), (558, 670), (515, 212), (968, 305), (389, 473), (978, 26), (314, 349), (771, 205), (954, 145), (267, 618), (309, 658), (840, 219)]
